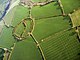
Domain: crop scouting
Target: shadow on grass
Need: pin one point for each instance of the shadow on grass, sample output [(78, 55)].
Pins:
[(77, 58), (1, 54), (68, 18)]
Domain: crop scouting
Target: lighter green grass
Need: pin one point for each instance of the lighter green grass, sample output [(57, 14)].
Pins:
[(6, 38), (20, 13), (75, 18)]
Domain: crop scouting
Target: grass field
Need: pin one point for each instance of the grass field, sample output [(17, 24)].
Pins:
[(26, 50), (48, 10), (9, 17), (70, 5), (75, 17), (63, 46), (6, 41), (46, 27), (52, 32), (20, 13)]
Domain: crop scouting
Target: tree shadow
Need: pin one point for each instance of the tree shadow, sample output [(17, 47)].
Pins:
[(78, 58), (68, 18)]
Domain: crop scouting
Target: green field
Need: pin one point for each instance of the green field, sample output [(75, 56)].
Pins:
[(6, 41), (70, 5), (49, 26), (25, 50), (62, 46), (53, 35), (48, 10), (75, 17), (21, 13)]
